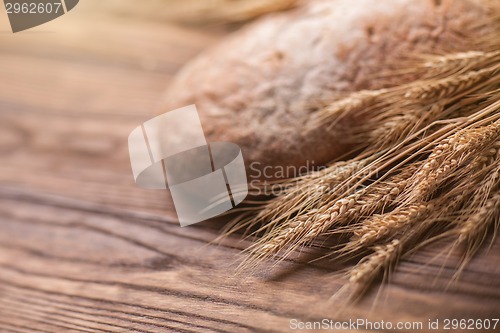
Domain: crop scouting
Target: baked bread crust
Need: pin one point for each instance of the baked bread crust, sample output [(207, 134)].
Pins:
[(258, 87)]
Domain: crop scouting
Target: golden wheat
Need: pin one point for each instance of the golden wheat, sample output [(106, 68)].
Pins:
[(428, 168)]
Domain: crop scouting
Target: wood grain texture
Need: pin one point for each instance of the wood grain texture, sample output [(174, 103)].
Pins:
[(82, 249)]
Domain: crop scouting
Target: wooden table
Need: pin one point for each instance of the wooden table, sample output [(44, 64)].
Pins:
[(82, 249)]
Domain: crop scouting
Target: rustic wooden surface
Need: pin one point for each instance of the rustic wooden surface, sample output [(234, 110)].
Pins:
[(82, 249)]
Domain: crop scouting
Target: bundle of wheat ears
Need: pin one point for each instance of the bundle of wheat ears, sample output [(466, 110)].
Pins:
[(426, 168)]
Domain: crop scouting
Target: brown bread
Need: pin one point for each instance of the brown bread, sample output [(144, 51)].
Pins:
[(259, 87)]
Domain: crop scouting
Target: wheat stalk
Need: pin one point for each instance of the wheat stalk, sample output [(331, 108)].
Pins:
[(427, 168), (449, 156), (473, 228), (457, 62), (383, 225), (382, 257)]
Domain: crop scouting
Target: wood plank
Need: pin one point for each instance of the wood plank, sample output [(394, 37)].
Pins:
[(80, 156), (115, 41), (100, 259)]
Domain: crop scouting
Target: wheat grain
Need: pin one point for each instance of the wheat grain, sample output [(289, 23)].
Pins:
[(455, 62), (304, 193), (383, 256), (428, 169), (443, 88), (306, 227), (332, 113), (380, 226), (449, 155), (475, 226)]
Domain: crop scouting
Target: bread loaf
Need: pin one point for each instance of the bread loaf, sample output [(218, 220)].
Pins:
[(259, 87)]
